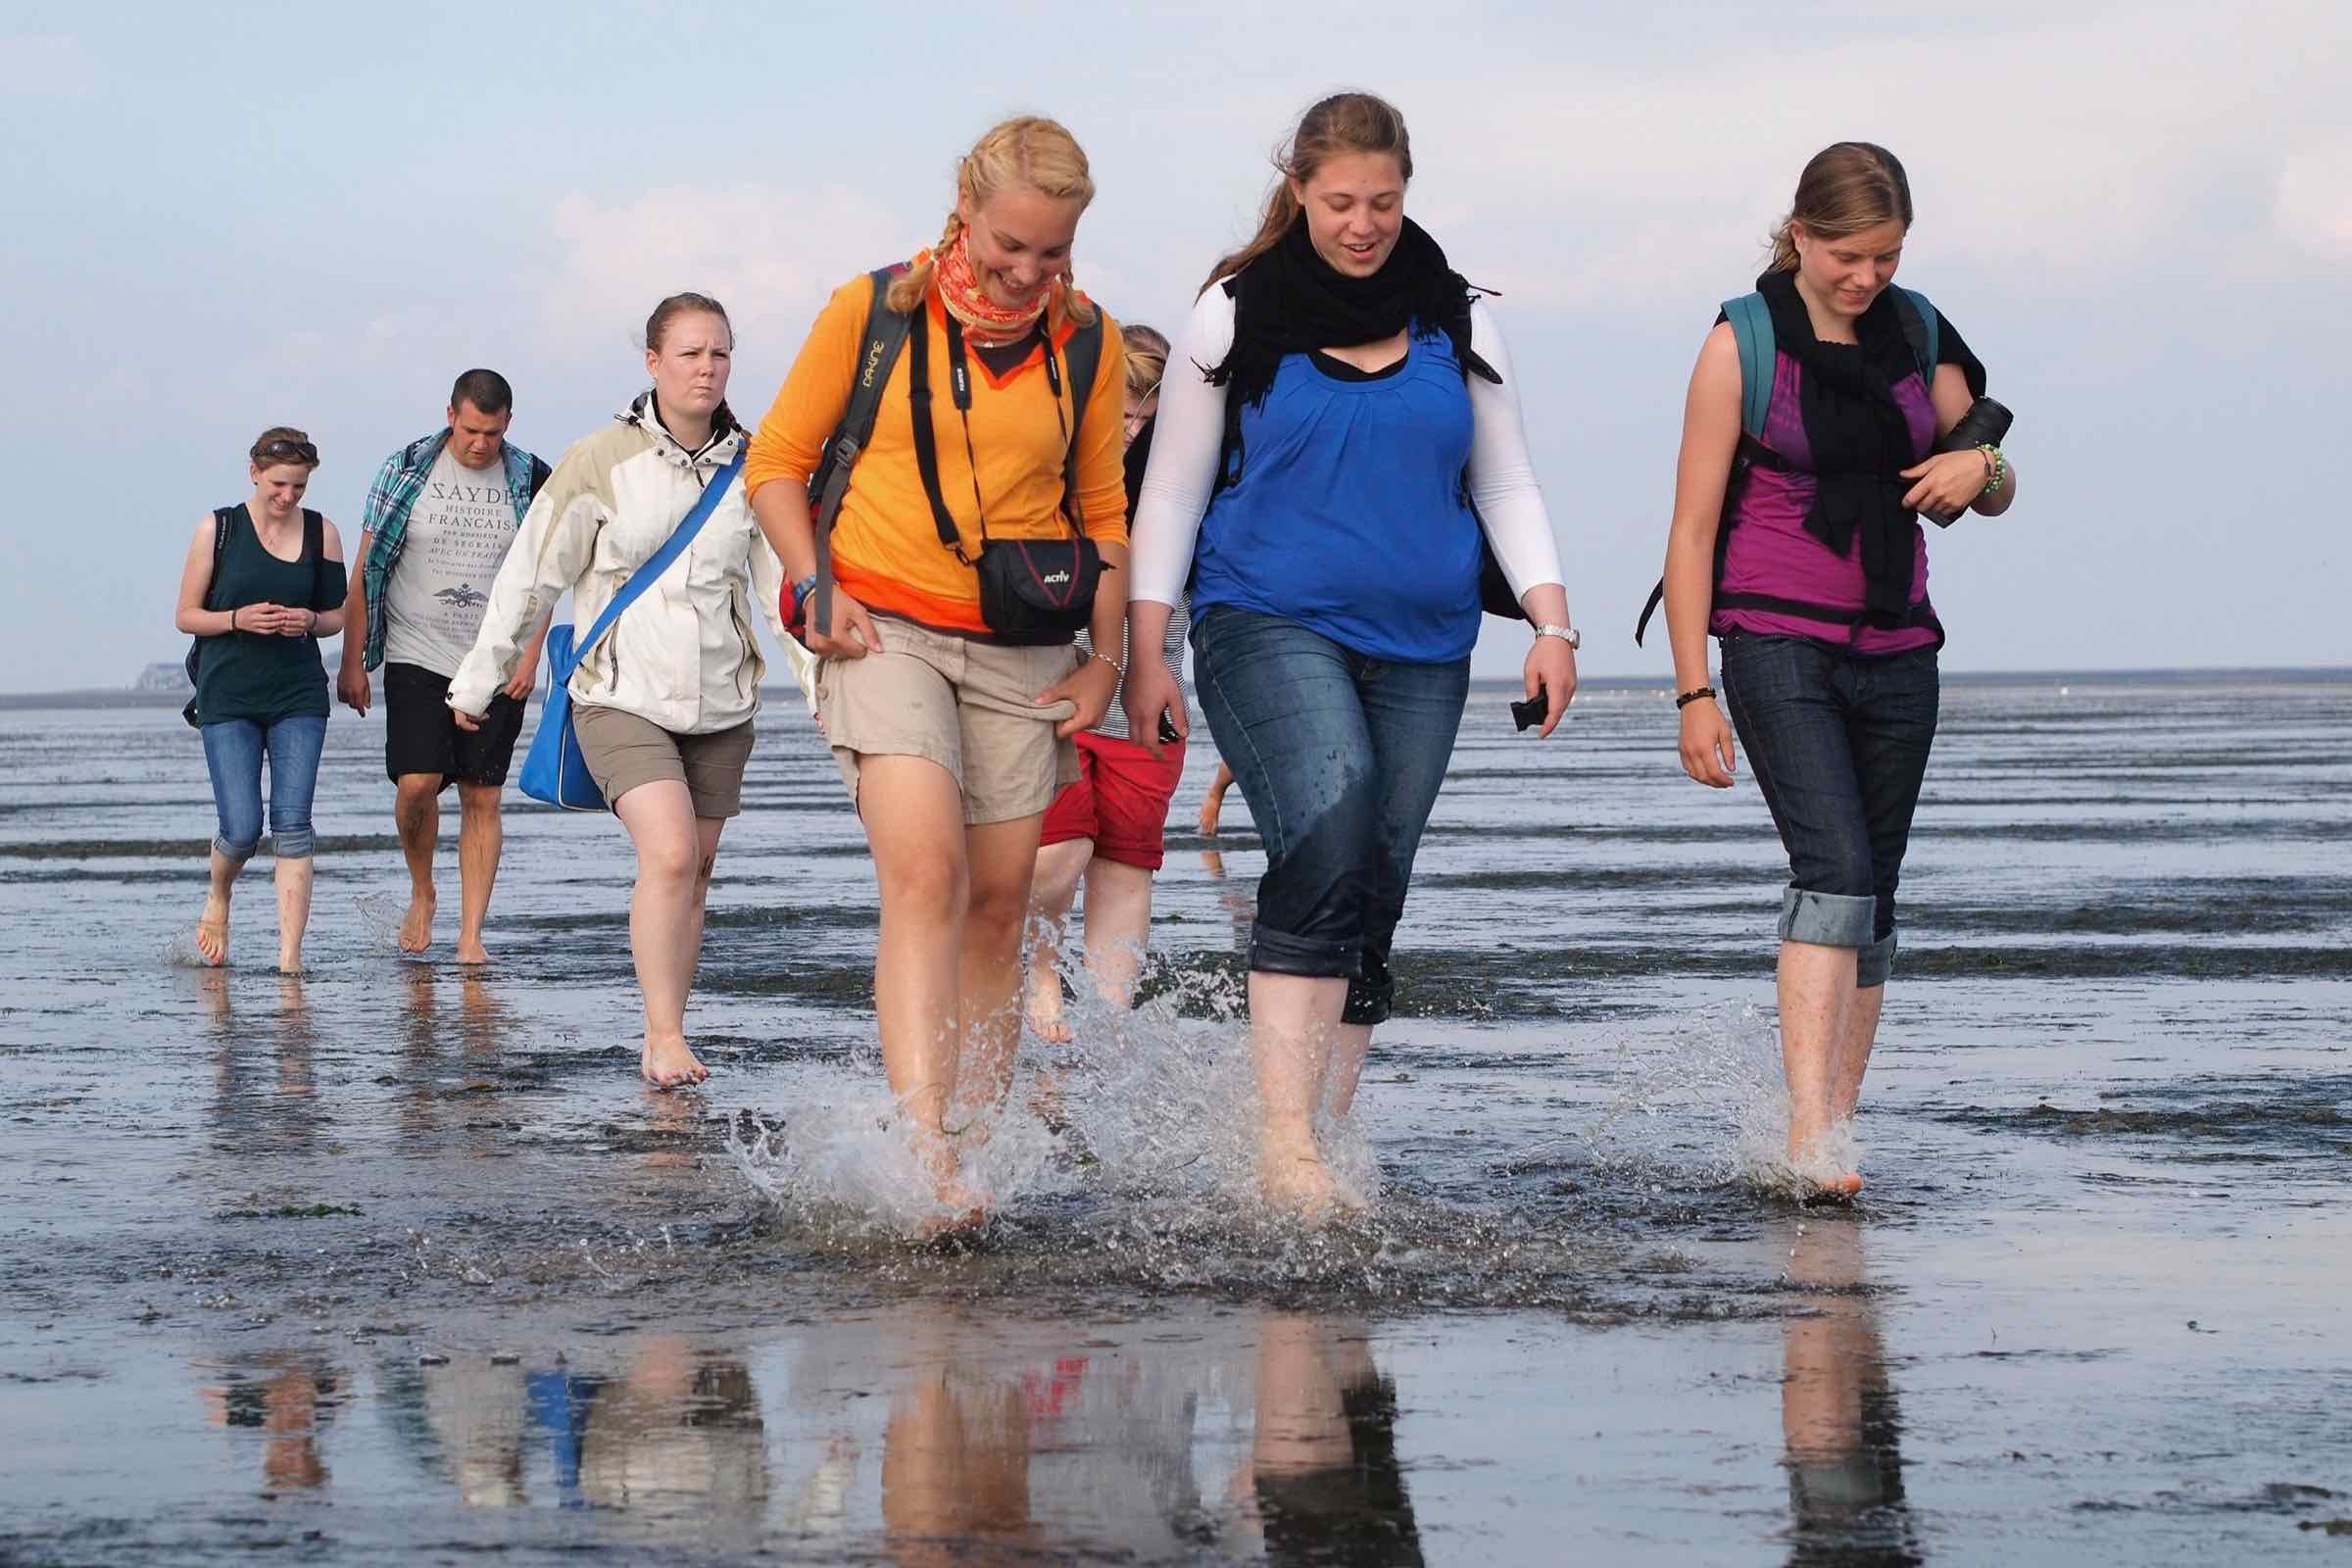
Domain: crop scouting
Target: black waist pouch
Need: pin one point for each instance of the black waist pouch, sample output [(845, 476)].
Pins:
[(1038, 592)]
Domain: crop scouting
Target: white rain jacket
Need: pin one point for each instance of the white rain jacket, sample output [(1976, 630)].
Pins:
[(684, 655)]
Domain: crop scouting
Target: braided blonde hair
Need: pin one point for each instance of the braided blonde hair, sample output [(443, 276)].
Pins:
[(1028, 151)]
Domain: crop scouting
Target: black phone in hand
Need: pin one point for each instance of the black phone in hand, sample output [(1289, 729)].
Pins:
[(1529, 712)]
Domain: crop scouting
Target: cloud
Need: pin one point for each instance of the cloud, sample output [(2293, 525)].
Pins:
[(43, 65), (2313, 205), (770, 253), (2072, 147)]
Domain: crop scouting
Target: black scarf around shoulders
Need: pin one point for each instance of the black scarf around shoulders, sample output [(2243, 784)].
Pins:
[(1860, 440), (1291, 301)]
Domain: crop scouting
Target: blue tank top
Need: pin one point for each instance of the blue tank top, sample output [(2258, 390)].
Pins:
[(1348, 517)]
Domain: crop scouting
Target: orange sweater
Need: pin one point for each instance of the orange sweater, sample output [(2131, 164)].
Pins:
[(886, 548)]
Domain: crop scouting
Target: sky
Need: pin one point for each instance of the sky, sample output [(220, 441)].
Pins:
[(2141, 216)]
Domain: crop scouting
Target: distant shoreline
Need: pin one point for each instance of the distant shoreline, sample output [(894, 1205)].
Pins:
[(2268, 675)]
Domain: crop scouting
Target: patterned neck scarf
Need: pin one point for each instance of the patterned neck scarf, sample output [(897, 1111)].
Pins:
[(966, 298)]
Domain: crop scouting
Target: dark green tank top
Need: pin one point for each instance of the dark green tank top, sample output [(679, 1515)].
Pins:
[(252, 675)]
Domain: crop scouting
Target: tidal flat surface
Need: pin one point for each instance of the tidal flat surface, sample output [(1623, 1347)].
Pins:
[(398, 1264)]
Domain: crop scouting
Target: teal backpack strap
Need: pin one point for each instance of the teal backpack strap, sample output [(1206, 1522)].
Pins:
[(1925, 330), (1751, 330), (1085, 355), (886, 332)]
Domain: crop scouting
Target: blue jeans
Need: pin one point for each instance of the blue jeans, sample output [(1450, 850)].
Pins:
[(232, 751), (1840, 747), (1340, 758)]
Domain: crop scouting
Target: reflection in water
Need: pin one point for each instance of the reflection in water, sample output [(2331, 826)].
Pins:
[(1838, 1413), (674, 1429), (265, 1070), (931, 1433), (1323, 1470), (285, 1394)]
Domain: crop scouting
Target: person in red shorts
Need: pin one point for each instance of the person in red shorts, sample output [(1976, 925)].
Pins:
[(1106, 829)]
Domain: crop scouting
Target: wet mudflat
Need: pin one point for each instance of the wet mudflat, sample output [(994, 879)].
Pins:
[(395, 1262)]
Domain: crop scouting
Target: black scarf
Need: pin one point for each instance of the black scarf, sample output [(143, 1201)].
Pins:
[(1861, 441), (1291, 301)]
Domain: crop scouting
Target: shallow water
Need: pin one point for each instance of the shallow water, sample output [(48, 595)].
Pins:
[(397, 1263)]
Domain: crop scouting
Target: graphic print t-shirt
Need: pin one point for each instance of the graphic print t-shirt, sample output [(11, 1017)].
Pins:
[(459, 532)]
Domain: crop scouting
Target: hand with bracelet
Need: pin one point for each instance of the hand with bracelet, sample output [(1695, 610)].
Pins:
[(1551, 665), (1709, 753), (1950, 482), (1089, 688)]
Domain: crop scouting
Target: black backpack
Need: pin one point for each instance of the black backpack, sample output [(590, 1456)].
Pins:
[(886, 333)]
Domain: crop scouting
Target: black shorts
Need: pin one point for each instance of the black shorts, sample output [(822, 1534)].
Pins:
[(420, 736)]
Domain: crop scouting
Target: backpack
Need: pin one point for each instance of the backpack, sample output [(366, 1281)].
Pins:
[(314, 545), (886, 333), (1751, 333)]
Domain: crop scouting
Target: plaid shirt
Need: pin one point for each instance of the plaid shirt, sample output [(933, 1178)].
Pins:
[(393, 496)]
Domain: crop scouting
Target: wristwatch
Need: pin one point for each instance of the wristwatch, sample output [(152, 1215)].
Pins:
[(1567, 634)]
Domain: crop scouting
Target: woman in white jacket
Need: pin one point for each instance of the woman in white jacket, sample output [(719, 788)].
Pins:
[(662, 704)]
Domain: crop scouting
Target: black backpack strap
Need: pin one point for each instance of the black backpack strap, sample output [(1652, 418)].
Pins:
[(539, 474), (886, 334), (1086, 363), (313, 545), (926, 439)]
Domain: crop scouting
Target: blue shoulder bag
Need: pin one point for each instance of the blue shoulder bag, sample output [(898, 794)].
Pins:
[(554, 771)]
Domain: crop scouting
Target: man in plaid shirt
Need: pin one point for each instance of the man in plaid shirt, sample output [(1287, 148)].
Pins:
[(439, 519)]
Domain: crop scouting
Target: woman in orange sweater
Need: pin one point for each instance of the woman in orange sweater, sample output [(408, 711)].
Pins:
[(989, 494)]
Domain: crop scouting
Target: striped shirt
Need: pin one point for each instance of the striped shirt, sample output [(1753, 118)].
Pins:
[(1180, 625)]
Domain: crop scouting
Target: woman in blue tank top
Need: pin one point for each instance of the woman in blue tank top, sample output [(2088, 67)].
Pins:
[(1316, 485), (264, 581)]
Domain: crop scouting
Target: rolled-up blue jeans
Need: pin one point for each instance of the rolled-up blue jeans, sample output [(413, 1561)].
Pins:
[(1339, 757), (1838, 745), (234, 750)]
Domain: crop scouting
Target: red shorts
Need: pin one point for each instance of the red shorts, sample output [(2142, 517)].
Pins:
[(1120, 800)]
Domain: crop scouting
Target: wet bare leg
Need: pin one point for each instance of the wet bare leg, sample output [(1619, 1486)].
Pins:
[(1292, 1021), (914, 816), (1000, 858), (481, 835), (664, 924), (212, 926), (417, 815), (293, 879), (1059, 866), (1118, 925), (1350, 1046), (1816, 986), (1854, 1059)]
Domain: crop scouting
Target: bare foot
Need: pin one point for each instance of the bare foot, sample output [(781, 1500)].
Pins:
[(1296, 1183), (416, 928), (1046, 1020), (1818, 1165), (472, 951), (668, 1064), (967, 1206), (212, 930)]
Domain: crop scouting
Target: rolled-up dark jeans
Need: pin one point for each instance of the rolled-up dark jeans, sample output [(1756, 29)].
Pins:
[(1838, 745), (1339, 757)]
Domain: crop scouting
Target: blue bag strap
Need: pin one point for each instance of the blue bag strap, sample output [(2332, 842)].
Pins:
[(1927, 345), (1751, 330), (657, 563)]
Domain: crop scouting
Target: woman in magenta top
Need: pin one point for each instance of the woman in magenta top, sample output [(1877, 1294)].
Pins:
[(1819, 595)]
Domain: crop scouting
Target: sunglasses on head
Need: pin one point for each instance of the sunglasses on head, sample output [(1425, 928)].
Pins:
[(281, 450)]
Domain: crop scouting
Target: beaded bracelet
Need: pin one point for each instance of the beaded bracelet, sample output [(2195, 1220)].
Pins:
[(1996, 469)]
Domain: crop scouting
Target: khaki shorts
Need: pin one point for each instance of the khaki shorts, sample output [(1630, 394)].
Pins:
[(968, 706), (624, 750)]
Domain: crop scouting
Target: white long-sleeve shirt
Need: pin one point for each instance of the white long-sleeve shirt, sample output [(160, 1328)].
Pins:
[(1182, 478)]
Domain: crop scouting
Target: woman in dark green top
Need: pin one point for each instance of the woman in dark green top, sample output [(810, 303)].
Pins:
[(264, 582)]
